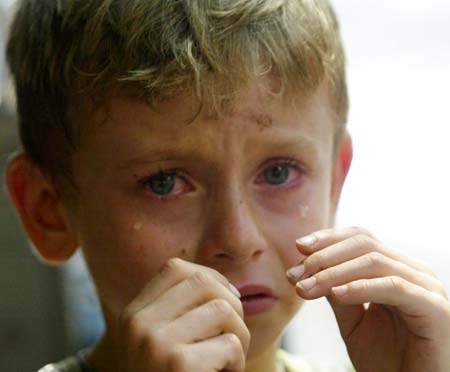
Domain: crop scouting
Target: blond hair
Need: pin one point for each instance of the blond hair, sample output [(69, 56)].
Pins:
[(63, 52)]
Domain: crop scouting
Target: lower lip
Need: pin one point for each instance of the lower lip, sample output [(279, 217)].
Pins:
[(256, 305)]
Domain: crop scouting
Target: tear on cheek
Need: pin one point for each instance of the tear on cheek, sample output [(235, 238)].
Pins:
[(304, 210), (137, 226)]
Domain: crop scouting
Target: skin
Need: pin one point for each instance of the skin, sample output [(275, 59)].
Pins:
[(162, 266)]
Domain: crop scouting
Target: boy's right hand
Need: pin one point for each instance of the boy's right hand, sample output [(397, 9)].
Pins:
[(185, 319)]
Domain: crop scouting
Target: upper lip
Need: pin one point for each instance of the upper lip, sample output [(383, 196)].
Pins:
[(254, 289)]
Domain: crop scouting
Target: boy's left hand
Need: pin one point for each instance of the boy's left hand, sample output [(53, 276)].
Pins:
[(406, 327)]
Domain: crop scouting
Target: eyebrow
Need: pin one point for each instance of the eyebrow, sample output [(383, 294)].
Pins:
[(274, 143), (278, 140)]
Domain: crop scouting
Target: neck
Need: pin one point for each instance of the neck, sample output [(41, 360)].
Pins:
[(266, 361)]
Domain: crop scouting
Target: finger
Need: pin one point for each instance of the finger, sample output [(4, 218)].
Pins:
[(198, 289), (421, 309), (220, 353), (343, 244), (206, 321), (323, 238), (173, 272), (371, 265), (347, 316)]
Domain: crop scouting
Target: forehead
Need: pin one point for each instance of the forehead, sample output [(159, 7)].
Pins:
[(181, 126), (255, 105)]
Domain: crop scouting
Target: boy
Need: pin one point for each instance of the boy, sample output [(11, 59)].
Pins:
[(184, 146)]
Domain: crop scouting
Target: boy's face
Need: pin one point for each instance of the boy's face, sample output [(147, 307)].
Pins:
[(246, 186)]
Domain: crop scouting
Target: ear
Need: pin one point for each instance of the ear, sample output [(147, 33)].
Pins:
[(41, 210), (340, 171)]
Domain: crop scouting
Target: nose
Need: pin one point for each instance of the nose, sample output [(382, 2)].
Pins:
[(232, 233)]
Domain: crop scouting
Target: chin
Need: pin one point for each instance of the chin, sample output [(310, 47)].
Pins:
[(266, 331), (267, 328)]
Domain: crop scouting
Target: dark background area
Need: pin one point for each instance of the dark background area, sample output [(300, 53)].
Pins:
[(32, 328)]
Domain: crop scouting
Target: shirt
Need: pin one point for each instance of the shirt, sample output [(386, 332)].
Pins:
[(291, 362)]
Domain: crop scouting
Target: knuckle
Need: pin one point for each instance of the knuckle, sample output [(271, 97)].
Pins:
[(331, 275), (125, 318), (130, 324), (317, 262), (240, 308), (216, 274), (135, 331), (172, 265), (202, 279), (220, 307), (362, 285), (375, 259), (178, 359), (396, 283), (233, 342), (152, 343), (326, 276), (363, 240)]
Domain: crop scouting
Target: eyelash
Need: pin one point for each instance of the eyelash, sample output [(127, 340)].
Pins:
[(177, 172)]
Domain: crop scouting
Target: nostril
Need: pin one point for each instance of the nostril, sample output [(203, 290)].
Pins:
[(237, 259)]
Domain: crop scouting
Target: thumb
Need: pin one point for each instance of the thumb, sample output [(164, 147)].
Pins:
[(347, 316)]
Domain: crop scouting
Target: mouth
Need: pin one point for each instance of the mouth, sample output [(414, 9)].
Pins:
[(256, 299)]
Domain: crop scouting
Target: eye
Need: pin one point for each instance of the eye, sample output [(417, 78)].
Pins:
[(165, 183), (280, 173), (277, 174)]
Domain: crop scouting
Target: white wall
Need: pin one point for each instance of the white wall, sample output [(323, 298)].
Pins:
[(399, 79)]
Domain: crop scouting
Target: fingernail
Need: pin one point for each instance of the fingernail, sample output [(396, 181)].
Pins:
[(296, 272), (235, 291), (307, 241), (340, 291), (307, 284)]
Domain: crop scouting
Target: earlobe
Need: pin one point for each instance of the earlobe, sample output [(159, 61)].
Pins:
[(340, 171), (40, 210)]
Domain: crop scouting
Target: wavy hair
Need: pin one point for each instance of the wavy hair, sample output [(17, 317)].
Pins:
[(64, 53)]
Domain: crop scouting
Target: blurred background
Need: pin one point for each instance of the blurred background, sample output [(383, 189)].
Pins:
[(399, 79)]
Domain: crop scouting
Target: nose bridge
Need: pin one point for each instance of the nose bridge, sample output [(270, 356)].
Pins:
[(233, 232)]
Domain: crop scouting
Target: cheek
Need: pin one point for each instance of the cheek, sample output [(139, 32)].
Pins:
[(299, 218), (125, 251)]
